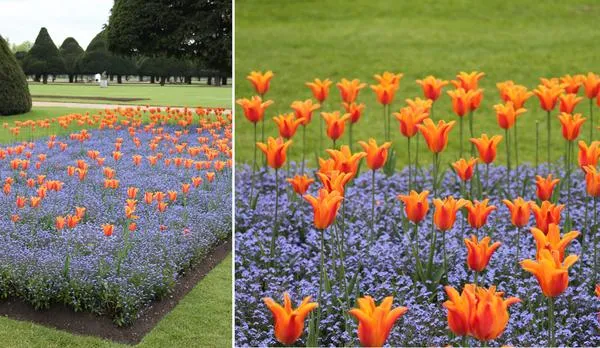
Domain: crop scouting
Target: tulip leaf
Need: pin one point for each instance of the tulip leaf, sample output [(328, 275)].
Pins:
[(354, 279), (254, 201)]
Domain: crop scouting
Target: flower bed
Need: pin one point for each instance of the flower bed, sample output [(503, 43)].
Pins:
[(387, 267), (103, 220)]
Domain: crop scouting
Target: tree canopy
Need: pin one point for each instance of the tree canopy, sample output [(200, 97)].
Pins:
[(14, 91), (70, 51), (43, 58)]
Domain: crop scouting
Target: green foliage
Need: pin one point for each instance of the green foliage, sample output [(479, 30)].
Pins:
[(43, 58), (24, 46), (97, 59), (14, 91), (71, 52)]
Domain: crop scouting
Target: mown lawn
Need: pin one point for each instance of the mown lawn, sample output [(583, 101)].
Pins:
[(191, 96), (302, 40)]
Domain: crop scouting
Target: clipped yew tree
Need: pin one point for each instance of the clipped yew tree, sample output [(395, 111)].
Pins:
[(14, 91), (70, 51), (43, 58)]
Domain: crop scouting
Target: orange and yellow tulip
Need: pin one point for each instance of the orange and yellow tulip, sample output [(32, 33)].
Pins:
[(275, 150), (389, 78), (300, 183), (304, 110), (479, 252), (375, 322), (591, 85), (503, 88), (260, 81), (571, 125), (552, 241), (288, 124), (436, 136), (487, 147), (289, 322), (349, 89), (108, 229), (319, 89), (254, 109), (461, 101), (464, 168), (507, 114), (335, 180), (551, 273), (445, 212), (568, 102), (416, 205), (478, 212), (376, 155), (418, 104), (592, 181), (344, 160), (432, 87), (570, 83), (385, 92), (546, 214), (548, 96), (545, 187), (517, 94), (520, 211), (355, 110), (409, 118), (588, 155), (468, 81), (336, 124), (325, 207)]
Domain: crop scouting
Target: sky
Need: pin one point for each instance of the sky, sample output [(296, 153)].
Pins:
[(21, 20)]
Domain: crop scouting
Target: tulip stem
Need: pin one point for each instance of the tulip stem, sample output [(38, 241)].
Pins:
[(389, 121), (460, 131), (385, 123), (537, 143), (303, 147), (591, 120), (516, 146), (548, 129), (506, 133), (409, 167), (253, 164), (321, 279), (350, 136), (321, 126), (518, 240), (471, 131), (444, 250), (551, 321), (372, 207), (476, 280), (569, 151), (274, 235), (334, 144), (487, 178), (263, 139), (594, 234)]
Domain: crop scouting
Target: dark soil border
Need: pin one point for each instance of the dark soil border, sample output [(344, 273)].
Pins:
[(64, 318), (119, 99)]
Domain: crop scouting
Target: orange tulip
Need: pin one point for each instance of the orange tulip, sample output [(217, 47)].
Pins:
[(571, 125), (375, 322), (461, 101), (275, 150), (520, 211), (349, 89), (551, 273), (432, 87), (552, 241), (132, 192), (591, 84), (546, 214), (479, 252), (479, 312), (288, 124), (517, 94), (476, 96), (300, 183), (260, 81), (320, 89), (506, 114), (336, 124), (421, 105), (304, 110), (355, 110), (416, 205), (409, 118), (389, 78), (567, 102), (60, 222), (464, 168), (570, 83), (72, 220), (545, 187), (335, 180), (325, 207), (592, 181), (344, 160), (445, 212), (548, 96), (468, 81), (487, 147), (478, 212), (436, 136), (385, 92), (289, 322), (550, 82), (108, 229), (503, 88), (20, 202), (254, 109), (376, 155), (588, 155)]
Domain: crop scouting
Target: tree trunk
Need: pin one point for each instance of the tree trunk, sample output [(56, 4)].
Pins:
[(152, 79), (45, 78), (119, 79), (162, 80), (111, 78), (224, 81), (141, 78), (70, 78), (209, 81)]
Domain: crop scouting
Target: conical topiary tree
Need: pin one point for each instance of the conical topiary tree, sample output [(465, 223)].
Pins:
[(14, 91), (97, 59), (43, 58), (70, 51)]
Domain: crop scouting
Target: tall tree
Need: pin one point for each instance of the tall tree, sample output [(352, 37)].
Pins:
[(14, 91), (70, 51), (43, 58), (194, 29), (98, 59)]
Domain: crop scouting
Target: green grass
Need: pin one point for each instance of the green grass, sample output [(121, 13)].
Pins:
[(201, 319), (335, 39), (165, 96)]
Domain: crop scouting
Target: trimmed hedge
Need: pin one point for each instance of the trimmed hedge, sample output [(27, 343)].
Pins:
[(14, 91)]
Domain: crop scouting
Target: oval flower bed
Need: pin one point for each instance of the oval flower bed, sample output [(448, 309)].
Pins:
[(106, 220)]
